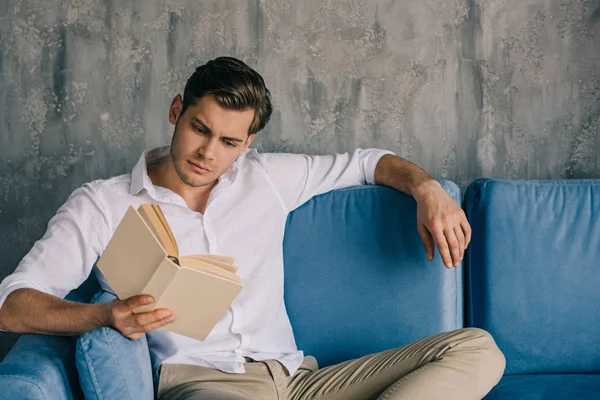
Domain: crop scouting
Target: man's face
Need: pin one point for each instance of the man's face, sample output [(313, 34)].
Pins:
[(207, 140)]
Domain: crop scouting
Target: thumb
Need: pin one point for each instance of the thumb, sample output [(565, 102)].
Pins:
[(427, 241)]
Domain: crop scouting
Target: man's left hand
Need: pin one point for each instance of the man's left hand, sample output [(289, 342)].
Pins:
[(441, 220)]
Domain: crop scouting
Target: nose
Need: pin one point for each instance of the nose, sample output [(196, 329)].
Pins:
[(209, 148)]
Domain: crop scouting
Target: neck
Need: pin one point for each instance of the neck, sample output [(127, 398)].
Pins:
[(165, 175)]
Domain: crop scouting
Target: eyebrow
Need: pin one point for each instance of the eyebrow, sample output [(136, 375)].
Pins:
[(199, 122)]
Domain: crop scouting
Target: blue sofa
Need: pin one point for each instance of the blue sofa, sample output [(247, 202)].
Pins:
[(357, 282), (532, 274)]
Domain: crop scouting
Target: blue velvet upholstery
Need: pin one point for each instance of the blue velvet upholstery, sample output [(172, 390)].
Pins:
[(547, 387), (357, 279), (533, 272), (40, 367)]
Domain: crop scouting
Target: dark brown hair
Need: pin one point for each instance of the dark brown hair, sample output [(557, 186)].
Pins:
[(234, 85)]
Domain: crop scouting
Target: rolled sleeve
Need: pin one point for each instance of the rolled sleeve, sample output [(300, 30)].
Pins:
[(370, 161), (63, 258), (12, 283), (299, 177)]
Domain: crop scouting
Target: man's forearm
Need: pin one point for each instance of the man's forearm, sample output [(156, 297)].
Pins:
[(440, 220), (402, 175), (32, 311)]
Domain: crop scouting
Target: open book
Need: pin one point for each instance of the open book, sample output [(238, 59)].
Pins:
[(142, 258)]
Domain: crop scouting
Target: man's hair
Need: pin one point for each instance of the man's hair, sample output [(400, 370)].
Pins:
[(234, 85)]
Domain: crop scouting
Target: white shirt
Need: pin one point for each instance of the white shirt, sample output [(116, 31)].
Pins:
[(245, 218)]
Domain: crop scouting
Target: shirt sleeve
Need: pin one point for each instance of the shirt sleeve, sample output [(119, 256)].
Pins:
[(63, 258), (299, 177)]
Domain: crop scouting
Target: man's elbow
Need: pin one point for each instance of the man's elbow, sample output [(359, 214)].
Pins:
[(3, 318), (7, 313)]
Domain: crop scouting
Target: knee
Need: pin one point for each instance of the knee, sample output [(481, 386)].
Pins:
[(491, 361)]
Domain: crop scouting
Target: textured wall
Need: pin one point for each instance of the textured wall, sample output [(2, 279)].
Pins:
[(463, 88)]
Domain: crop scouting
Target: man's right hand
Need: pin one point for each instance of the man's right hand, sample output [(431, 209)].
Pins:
[(133, 326)]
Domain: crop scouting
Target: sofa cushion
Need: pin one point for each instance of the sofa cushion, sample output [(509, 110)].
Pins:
[(40, 367), (533, 272), (112, 366), (357, 279), (547, 387)]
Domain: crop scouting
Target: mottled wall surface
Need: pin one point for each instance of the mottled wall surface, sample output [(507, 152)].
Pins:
[(463, 88)]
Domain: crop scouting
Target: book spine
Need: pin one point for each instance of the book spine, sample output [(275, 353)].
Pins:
[(159, 283)]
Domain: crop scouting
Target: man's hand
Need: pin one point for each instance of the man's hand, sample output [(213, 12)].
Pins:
[(133, 326), (440, 219)]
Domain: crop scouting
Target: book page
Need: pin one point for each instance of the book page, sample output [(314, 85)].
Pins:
[(209, 259), (131, 257), (198, 300), (209, 268), (165, 236), (167, 228), (216, 257)]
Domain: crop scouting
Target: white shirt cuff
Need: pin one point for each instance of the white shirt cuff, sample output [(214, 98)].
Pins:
[(371, 162)]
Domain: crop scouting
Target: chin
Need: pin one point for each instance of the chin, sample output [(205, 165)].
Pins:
[(198, 182), (192, 178)]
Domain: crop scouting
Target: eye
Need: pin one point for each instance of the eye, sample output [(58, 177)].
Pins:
[(230, 144), (200, 130)]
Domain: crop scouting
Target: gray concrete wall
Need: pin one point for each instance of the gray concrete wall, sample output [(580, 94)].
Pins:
[(463, 88)]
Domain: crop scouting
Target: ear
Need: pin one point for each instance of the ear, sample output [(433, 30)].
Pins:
[(175, 109)]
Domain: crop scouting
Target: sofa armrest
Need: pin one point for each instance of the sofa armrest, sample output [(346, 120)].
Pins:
[(43, 366), (40, 367)]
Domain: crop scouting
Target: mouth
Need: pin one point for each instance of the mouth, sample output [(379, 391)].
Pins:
[(199, 168)]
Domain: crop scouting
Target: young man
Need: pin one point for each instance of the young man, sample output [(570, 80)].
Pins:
[(221, 197)]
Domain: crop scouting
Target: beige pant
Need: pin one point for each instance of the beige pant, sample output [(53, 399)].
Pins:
[(463, 364)]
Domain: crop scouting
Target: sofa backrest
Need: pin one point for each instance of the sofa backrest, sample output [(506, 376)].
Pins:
[(357, 279), (533, 272)]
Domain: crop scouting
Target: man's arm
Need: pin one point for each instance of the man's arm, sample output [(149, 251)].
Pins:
[(32, 311), (31, 298), (299, 177), (439, 218)]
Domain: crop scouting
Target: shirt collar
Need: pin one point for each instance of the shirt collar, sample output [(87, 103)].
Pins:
[(139, 175)]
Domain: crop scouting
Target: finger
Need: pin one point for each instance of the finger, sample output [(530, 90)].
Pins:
[(146, 318), (427, 241), (461, 242), (466, 228), (453, 245), (442, 245), (135, 336), (134, 302), (135, 332), (157, 324)]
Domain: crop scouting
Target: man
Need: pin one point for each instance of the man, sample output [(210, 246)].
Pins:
[(220, 197)]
